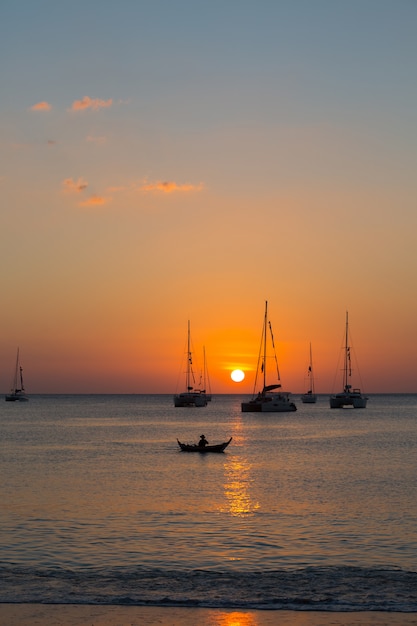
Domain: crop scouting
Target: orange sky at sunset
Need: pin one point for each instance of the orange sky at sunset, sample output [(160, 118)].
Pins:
[(184, 163)]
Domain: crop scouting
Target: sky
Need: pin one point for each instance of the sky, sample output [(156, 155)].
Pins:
[(172, 160)]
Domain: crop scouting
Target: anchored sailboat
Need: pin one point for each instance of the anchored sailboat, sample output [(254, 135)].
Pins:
[(191, 396), (17, 392), (310, 397), (349, 396), (269, 400)]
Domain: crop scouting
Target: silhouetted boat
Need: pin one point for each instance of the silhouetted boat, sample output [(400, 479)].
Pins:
[(17, 393), (193, 447), (348, 397), (269, 400), (310, 397), (191, 396)]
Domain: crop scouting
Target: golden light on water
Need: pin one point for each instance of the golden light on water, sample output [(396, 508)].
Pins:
[(237, 487), (235, 618), (264, 618)]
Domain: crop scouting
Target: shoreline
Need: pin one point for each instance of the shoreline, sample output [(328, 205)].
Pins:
[(116, 615)]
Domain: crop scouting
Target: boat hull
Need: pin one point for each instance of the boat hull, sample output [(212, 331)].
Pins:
[(309, 398), (186, 447), (354, 400), (16, 397), (190, 400), (269, 403)]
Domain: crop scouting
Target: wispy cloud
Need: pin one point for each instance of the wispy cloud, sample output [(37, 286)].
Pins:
[(94, 201), (74, 186), (41, 106), (90, 103), (160, 186), (169, 186)]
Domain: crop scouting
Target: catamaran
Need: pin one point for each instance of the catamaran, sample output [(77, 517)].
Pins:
[(349, 396), (271, 399)]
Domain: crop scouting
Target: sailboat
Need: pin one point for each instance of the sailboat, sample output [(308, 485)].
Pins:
[(310, 397), (269, 400), (349, 396), (191, 396), (17, 392)]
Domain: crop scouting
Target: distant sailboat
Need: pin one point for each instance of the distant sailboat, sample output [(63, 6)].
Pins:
[(17, 392), (271, 399), (349, 396), (310, 397), (191, 396)]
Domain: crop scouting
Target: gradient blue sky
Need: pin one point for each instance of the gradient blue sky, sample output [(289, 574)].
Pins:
[(164, 161)]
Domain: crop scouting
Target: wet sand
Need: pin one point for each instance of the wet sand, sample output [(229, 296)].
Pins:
[(94, 615)]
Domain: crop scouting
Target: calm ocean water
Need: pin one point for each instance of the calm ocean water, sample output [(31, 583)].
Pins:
[(309, 510)]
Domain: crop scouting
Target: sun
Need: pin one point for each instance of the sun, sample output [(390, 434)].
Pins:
[(237, 376)]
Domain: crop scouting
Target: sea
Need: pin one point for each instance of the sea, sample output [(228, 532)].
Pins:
[(312, 510)]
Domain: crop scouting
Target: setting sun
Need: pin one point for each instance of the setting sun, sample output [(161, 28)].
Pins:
[(237, 376)]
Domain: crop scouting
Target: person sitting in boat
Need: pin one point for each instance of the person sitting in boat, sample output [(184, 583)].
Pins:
[(203, 442)]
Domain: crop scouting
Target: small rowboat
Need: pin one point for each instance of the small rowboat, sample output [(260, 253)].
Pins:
[(187, 447)]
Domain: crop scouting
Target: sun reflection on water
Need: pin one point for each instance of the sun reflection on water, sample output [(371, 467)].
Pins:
[(235, 618), (237, 487), (265, 618), (238, 480)]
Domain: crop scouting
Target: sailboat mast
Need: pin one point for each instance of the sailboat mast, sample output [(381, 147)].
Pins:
[(204, 368), (188, 359), (345, 373), (16, 372), (310, 373), (265, 331)]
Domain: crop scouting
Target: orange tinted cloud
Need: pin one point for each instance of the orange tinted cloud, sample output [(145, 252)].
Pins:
[(41, 106), (169, 187), (74, 186), (90, 103), (94, 201)]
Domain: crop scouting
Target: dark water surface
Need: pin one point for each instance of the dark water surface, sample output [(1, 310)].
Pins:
[(309, 510)]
